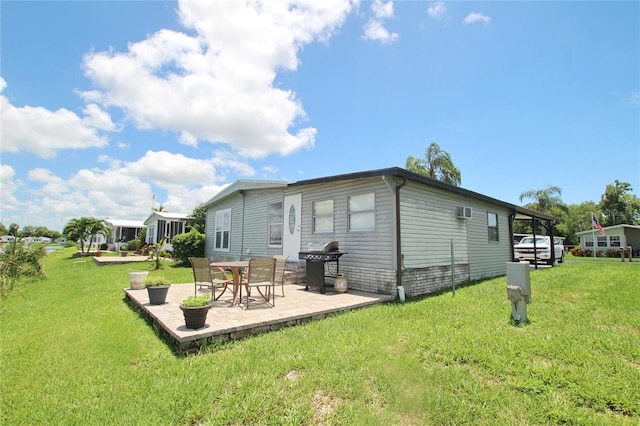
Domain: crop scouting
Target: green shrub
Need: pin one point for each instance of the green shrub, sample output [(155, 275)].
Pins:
[(18, 260), (188, 245), (195, 301), (133, 245), (156, 281)]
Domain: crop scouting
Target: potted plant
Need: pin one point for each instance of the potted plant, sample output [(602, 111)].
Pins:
[(137, 279), (195, 309), (157, 288)]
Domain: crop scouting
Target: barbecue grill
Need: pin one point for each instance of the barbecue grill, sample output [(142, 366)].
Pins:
[(316, 255)]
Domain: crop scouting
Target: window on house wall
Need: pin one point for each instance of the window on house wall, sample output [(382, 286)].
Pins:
[(602, 241), (275, 224), (323, 216), (222, 230), (492, 226), (150, 233), (588, 241), (614, 241), (362, 212)]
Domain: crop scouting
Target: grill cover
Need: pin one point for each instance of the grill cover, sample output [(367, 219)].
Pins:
[(322, 247)]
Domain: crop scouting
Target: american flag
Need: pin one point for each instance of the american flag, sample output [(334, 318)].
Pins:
[(596, 224)]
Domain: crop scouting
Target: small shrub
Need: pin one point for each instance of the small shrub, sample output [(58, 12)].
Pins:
[(195, 301), (156, 281), (133, 245), (188, 245)]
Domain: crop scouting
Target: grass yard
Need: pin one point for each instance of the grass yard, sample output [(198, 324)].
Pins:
[(73, 352)]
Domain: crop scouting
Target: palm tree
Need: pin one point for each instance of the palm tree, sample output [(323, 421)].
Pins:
[(543, 198), (83, 228), (437, 164)]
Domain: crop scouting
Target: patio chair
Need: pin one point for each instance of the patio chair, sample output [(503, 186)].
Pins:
[(204, 276), (262, 273), (281, 264)]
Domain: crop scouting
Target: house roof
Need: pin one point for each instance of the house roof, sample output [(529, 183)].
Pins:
[(166, 216), (121, 223), (521, 213), (609, 228), (245, 185)]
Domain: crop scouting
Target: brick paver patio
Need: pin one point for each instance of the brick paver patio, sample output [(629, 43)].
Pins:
[(225, 322)]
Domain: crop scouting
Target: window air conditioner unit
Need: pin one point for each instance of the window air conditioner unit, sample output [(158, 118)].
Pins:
[(463, 212)]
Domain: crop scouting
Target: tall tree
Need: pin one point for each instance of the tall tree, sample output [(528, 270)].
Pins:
[(85, 228), (437, 164), (197, 218), (618, 205), (543, 199)]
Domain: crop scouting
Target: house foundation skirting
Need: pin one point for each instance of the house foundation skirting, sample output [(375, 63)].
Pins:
[(419, 281)]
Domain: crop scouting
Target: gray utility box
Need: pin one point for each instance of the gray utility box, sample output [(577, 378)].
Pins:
[(518, 289), (518, 275)]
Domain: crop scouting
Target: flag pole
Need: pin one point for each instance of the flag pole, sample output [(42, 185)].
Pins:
[(593, 231)]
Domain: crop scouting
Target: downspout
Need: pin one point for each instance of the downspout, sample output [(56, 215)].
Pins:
[(242, 228), (399, 260), (512, 217)]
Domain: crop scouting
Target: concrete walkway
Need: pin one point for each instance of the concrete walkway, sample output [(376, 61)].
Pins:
[(226, 322)]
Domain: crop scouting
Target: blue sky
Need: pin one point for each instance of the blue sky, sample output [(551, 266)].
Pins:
[(108, 104)]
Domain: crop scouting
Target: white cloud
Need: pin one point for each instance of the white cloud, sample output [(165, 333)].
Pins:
[(43, 132), (8, 186), (374, 29), (634, 98), (217, 84), (382, 10), (474, 17), (436, 10)]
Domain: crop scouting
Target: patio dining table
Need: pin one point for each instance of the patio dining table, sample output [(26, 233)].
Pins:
[(236, 267)]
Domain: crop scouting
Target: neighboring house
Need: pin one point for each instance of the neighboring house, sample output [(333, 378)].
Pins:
[(122, 231), (165, 225), (615, 237), (397, 227)]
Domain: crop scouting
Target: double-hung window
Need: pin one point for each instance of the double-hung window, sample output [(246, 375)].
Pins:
[(222, 230), (602, 241), (588, 241), (492, 226), (614, 240), (323, 216), (362, 212), (275, 224)]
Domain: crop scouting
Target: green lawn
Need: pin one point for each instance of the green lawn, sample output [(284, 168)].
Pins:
[(73, 352)]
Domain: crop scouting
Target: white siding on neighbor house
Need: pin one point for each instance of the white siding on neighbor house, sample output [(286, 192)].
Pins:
[(366, 249), (487, 258), (429, 224)]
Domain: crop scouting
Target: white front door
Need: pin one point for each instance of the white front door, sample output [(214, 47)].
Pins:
[(291, 232)]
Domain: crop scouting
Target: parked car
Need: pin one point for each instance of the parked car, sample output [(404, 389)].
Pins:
[(524, 250)]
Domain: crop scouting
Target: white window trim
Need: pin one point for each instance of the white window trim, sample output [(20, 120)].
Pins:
[(497, 228), (220, 215), (325, 216), (270, 224), (364, 213)]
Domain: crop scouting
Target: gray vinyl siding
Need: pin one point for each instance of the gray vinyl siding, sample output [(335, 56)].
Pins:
[(365, 249), (249, 225), (256, 225), (429, 225), (487, 258)]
